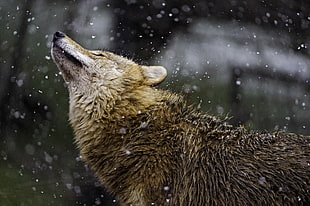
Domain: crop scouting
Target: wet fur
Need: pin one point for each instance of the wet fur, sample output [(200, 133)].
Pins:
[(147, 146)]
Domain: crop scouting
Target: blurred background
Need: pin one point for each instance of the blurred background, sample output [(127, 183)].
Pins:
[(245, 59)]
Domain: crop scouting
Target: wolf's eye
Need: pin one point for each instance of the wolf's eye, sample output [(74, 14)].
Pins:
[(98, 54)]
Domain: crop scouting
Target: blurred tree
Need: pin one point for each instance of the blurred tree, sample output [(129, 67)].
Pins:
[(12, 96)]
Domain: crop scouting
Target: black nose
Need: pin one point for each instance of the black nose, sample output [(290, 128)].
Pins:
[(58, 35)]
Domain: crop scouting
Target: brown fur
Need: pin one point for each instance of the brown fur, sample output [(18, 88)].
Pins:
[(148, 147)]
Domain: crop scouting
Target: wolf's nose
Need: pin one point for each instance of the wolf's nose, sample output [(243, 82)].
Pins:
[(58, 35)]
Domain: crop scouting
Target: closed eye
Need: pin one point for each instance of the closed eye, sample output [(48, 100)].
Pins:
[(99, 54)]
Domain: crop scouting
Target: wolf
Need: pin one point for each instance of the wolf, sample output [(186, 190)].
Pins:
[(147, 146)]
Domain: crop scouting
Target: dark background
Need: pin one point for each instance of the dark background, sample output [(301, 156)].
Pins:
[(245, 59)]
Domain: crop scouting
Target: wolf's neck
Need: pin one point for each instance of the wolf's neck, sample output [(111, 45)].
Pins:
[(94, 111)]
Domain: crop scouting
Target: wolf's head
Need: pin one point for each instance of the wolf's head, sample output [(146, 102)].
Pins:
[(93, 67), (101, 78)]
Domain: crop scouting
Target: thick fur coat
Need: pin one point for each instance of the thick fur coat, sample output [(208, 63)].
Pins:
[(148, 147)]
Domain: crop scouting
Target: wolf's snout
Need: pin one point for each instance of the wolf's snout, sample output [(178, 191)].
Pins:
[(58, 35)]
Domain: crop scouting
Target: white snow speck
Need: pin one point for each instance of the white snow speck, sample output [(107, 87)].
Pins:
[(262, 180), (143, 125), (122, 130), (48, 158), (166, 188)]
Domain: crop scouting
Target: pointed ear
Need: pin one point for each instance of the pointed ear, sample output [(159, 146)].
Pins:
[(154, 74)]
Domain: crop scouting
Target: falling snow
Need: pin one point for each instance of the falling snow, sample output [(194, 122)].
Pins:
[(201, 44)]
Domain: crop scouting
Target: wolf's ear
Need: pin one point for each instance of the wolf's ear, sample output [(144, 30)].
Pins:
[(154, 74)]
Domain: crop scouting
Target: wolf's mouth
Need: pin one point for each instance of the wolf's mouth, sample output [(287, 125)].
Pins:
[(64, 47), (71, 58)]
